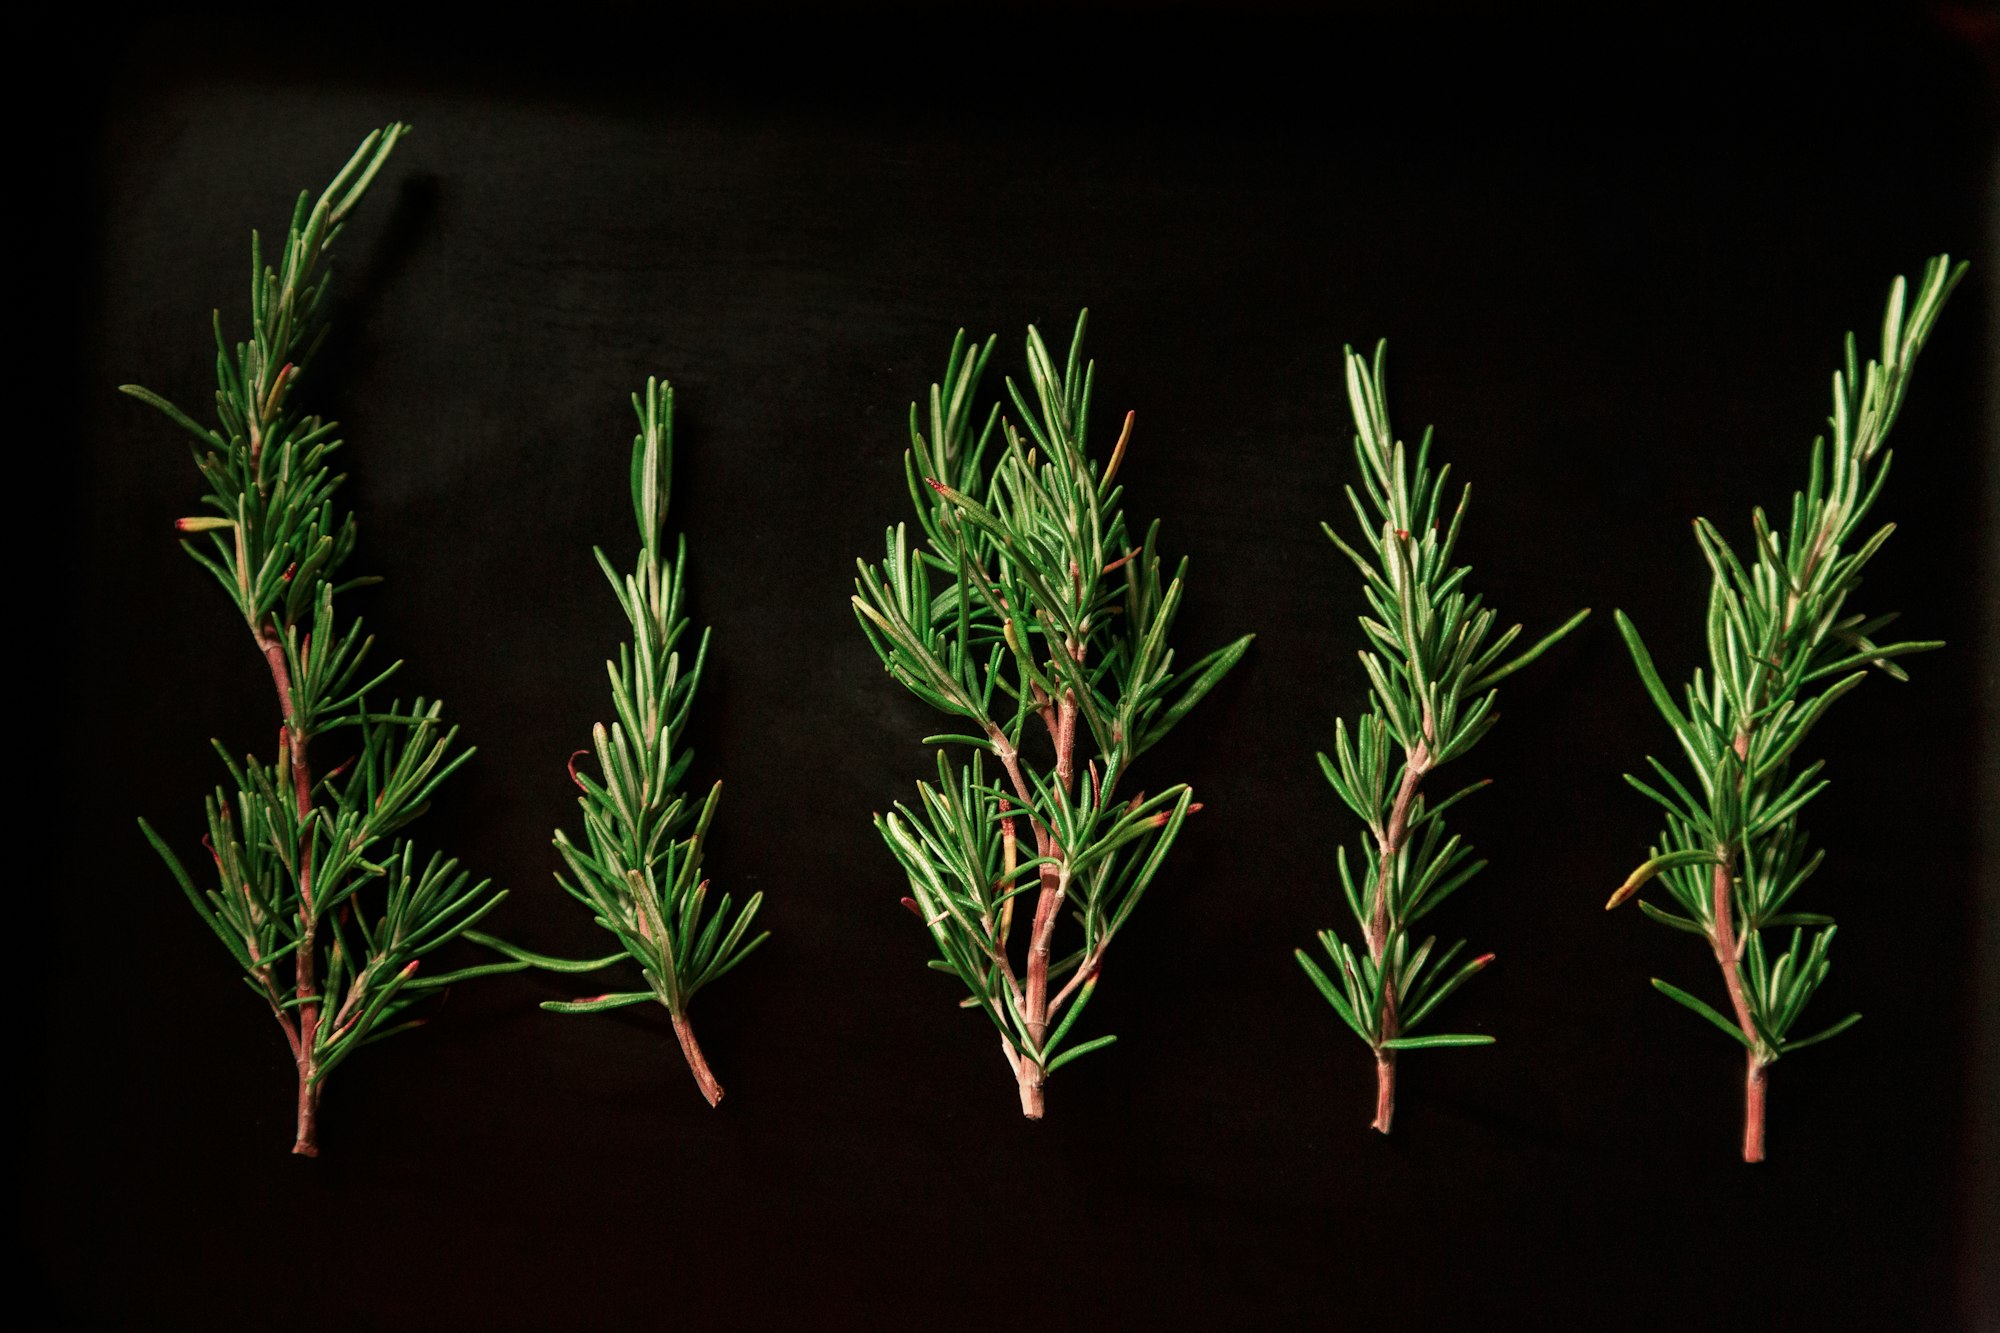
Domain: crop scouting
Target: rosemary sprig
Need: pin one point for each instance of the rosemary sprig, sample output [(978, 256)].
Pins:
[(293, 853), (1782, 648), (641, 876), (1431, 672), (1027, 614)]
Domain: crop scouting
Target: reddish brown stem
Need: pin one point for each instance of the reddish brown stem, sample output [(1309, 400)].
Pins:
[(1009, 858), (1048, 901), (704, 1078), (1048, 904), (1728, 943), (306, 1142), (1415, 764), (1385, 1090), (273, 648), (1081, 977), (1727, 951), (1756, 1073), (1035, 1003), (1728, 947), (292, 749), (1065, 739), (1393, 837), (1031, 1080)]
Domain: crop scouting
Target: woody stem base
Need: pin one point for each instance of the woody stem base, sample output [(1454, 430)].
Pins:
[(704, 1078), (306, 1142), (1385, 1090), (1755, 1074), (1031, 1081)]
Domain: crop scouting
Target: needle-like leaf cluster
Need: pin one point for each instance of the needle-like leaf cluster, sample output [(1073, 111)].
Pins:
[(1782, 647), (325, 908), (1432, 662), (1028, 613)]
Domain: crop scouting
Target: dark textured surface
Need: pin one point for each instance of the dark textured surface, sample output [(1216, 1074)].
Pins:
[(1617, 289)]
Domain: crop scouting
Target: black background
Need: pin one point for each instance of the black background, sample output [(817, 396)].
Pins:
[(1614, 267)]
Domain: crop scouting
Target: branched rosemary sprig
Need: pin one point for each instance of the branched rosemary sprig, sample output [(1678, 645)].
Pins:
[(1431, 673), (1782, 648), (642, 875), (1028, 613), (294, 853)]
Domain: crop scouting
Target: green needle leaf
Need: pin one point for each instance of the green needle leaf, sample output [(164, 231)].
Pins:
[(597, 1004), (543, 961), (1075, 1051), (1542, 645), (1821, 1036), (1655, 687), (1443, 1039), (1677, 994)]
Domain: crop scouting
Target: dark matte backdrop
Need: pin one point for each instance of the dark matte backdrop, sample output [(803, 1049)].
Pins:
[(1614, 268)]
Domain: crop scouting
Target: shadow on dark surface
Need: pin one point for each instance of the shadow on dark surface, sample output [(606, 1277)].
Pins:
[(1618, 290)]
